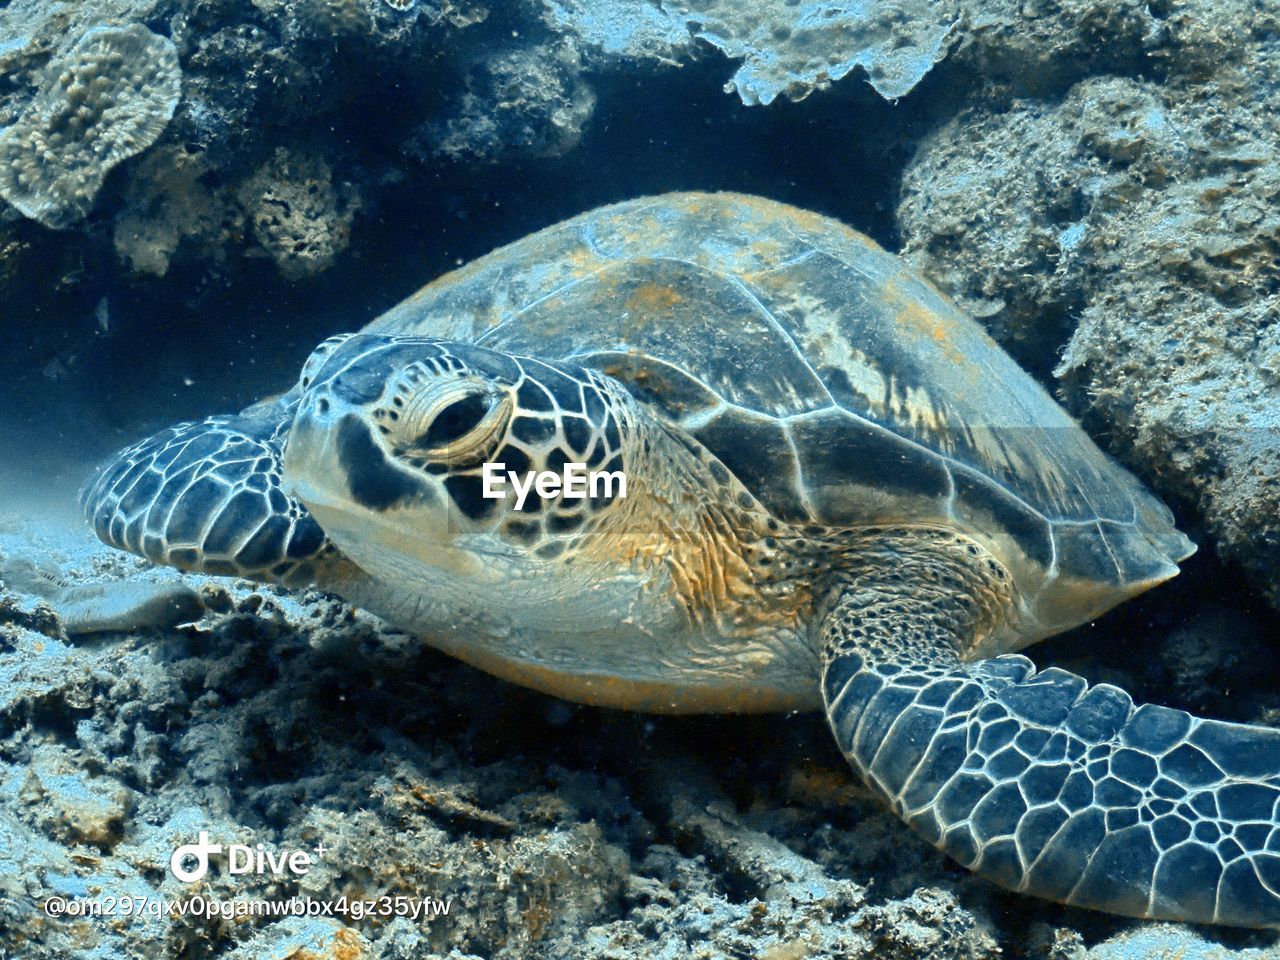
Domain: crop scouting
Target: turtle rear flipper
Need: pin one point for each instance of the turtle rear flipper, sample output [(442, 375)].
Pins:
[(207, 497), (1038, 781)]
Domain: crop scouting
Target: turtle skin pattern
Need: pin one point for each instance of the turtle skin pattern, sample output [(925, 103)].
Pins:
[(1036, 780)]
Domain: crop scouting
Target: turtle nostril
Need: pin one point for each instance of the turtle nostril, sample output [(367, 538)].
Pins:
[(456, 421), (322, 405)]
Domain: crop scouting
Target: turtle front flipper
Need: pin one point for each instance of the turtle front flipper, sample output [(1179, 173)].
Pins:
[(1038, 781), (208, 497)]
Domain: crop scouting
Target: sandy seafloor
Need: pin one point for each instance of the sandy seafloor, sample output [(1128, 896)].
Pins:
[(1096, 181)]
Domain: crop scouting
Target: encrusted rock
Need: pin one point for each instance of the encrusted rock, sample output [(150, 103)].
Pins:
[(300, 216), (71, 805), (528, 101), (794, 50), (168, 204), (305, 938), (1130, 229), (929, 923)]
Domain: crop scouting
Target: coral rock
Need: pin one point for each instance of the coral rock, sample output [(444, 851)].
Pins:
[(108, 99), (299, 215)]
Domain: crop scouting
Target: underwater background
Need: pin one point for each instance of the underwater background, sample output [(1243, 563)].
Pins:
[(194, 193)]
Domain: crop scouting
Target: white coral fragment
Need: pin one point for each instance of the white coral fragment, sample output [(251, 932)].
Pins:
[(786, 47), (795, 48), (109, 98)]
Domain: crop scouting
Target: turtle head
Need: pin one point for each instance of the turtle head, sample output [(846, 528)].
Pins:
[(469, 477), (536, 520)]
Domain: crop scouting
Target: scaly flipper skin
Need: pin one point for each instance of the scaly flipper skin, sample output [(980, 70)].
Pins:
[(207, 497), (1035, 780)]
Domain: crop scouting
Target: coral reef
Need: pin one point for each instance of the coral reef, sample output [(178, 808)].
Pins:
[(529, 101), (1159, 941), (623, 29), (790, 50), (169, 203), (508, 85), (305, 938), (108, 99)]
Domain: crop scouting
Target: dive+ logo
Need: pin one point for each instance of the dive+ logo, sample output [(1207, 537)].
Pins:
[(190, 861)]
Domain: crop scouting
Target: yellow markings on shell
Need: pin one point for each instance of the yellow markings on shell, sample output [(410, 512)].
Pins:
[(762, 255), (927, 324), (637, 234), (649, 298), (918, 409), (1000, 457), (1051, 480), (800, 219), (810, 227), (582, 261)]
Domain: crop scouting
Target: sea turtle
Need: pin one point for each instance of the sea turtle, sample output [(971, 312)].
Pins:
[(839, 493)]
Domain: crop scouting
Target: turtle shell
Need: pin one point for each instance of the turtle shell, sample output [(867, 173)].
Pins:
[(832, 379)]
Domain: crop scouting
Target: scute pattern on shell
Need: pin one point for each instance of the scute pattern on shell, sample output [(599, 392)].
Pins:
[(838, 384)]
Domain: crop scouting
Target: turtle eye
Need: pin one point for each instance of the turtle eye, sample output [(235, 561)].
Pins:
[(457, 423)]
